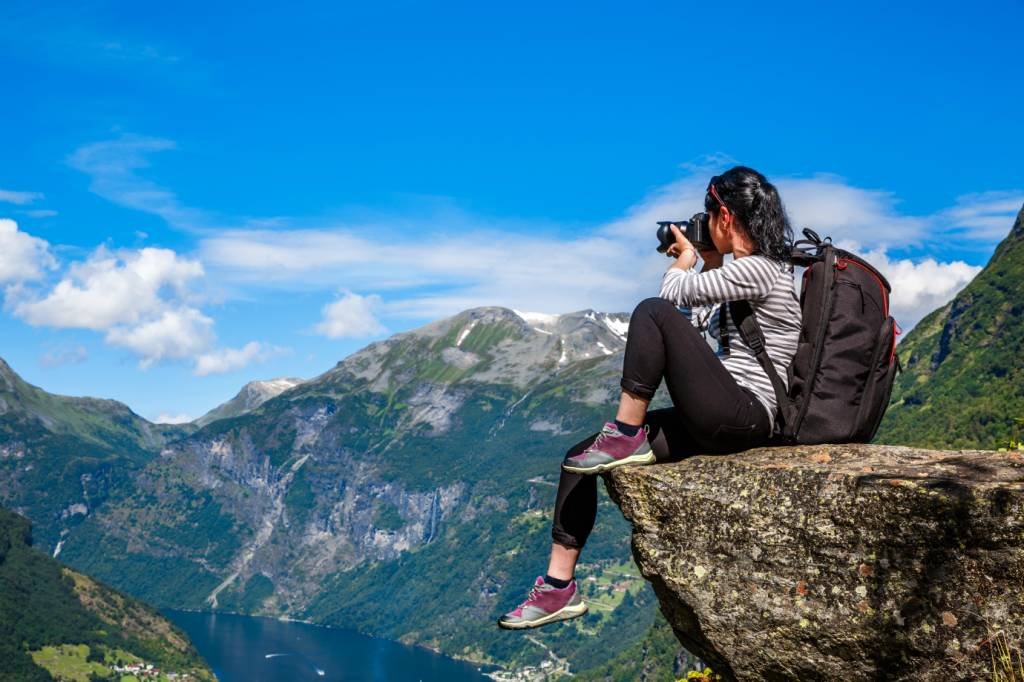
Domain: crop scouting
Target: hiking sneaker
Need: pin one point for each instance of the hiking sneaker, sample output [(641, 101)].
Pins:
[(611, 449), (545, 604)]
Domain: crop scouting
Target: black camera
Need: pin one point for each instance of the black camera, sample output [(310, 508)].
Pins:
[(697, 229)]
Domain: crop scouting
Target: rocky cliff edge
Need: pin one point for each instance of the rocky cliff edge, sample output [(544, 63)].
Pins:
[(835, 562)]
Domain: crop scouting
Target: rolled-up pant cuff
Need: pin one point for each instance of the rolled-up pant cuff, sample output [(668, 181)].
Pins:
[(563, 538), (636, 388)]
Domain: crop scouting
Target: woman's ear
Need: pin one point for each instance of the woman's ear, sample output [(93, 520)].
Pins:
[(725, 218)]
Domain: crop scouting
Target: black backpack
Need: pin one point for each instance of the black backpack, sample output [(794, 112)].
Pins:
[(841, 377)]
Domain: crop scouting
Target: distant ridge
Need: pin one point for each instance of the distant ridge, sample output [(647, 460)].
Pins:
[(252, 395)]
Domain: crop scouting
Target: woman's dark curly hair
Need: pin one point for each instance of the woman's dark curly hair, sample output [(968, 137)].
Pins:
[(756, 202)]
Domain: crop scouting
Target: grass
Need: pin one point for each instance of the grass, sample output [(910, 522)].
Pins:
[(1007, 659), (68, 662), (611, 582)]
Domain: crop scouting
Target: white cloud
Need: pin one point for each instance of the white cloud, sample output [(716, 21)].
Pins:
[(984, 216), (143, 300), (165, 418), (471, 262), (921, 287), (174, 334), (112, 166), (113, 288), (64, 356), (224, 360), (288, 252), (461, 261), (351, 316), (22, 256), (40, 213), (20, 198), (830, 206)]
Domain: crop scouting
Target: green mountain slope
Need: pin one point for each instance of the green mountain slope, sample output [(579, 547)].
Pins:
[(54, 619), (963, 384), (60, 456)]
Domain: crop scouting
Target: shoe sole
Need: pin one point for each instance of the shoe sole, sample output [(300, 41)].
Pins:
[(644, 458), (564, 613)]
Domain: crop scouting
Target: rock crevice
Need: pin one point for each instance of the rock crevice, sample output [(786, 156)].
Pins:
[(834, 562)]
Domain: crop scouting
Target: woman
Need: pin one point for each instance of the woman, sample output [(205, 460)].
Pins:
[(722, 402)]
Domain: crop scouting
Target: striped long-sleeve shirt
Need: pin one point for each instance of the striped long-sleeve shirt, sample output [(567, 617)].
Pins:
[(769, 287)]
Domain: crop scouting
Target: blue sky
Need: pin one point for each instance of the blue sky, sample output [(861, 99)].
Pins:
[(197, 195)]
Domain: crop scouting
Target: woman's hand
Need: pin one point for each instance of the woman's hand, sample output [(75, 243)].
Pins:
[(682, 250)]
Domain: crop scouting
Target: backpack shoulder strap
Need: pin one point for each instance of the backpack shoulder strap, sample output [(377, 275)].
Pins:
[(723, 331), (743, 315)]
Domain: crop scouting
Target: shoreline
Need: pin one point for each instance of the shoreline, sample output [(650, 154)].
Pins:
[(289, 619)]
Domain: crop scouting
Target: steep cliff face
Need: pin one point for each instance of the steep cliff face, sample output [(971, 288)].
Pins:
[(834, 562), (62, 457)]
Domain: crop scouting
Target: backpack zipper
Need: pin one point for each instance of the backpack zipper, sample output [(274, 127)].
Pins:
[(843, 262)]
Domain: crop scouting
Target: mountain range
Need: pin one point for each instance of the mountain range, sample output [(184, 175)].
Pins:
[(404, 492)]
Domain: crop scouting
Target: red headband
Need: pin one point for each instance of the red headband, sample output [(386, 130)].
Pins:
[(714, 193)]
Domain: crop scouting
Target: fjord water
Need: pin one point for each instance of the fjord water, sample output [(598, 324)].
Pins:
[(251, 649)]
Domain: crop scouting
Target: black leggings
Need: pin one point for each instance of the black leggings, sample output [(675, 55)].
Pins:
[(711, 413)]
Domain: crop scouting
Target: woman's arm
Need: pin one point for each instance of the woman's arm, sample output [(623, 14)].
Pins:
[(747, 278)]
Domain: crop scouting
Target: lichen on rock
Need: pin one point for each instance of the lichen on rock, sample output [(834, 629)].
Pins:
[(834, 562)]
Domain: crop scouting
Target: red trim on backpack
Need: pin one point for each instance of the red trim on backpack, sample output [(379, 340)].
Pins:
[(896, 332)]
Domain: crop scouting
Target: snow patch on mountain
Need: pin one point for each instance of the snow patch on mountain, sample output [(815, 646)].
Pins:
[(543, 319), (464, 333), (252, 395), (616, 325)]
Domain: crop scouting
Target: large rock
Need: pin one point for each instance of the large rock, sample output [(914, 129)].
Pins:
[(835, 562)]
